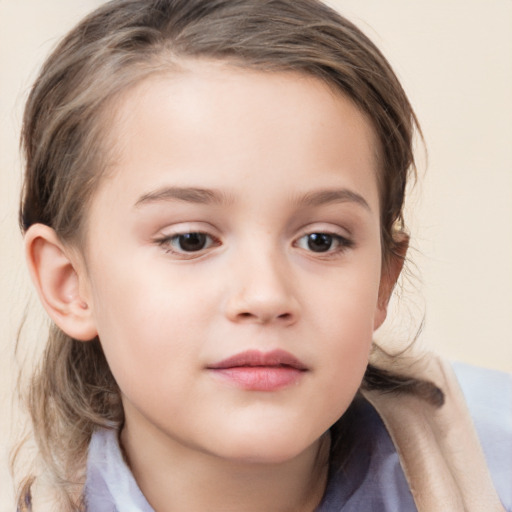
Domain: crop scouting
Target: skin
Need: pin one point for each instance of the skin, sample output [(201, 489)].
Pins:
[(269, 146)]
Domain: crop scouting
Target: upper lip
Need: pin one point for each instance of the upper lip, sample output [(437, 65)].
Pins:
[(274, 358)]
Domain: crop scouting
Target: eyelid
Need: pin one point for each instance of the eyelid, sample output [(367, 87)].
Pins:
[(327, 228), (167, 235), (344, 241), (182, 228)]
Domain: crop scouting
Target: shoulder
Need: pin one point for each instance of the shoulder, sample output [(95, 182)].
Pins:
[(488, 394), (373, 477)]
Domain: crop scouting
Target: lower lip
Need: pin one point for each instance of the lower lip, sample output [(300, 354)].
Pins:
[(260, 378)]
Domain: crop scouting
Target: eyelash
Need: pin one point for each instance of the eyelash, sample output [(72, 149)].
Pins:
[(168, 243), (341, 243)]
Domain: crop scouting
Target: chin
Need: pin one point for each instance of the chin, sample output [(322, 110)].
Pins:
[(268, 448)]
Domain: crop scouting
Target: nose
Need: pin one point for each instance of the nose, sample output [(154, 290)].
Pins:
[(262, 292)]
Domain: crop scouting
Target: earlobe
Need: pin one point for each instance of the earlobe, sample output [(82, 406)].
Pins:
[(390, 272), (57, 281)]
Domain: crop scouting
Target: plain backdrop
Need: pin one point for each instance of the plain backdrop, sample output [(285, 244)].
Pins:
[(454, 58)]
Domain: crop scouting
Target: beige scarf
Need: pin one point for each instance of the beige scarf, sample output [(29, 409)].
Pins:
[(438, 447)]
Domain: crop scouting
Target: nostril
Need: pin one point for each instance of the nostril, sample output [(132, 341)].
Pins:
[(246, 315)]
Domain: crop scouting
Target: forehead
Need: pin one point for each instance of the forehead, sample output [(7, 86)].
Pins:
[(211, 122)]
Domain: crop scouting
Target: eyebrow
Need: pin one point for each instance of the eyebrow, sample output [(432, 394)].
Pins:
[(329, 196), (186, 194), (211, 196)]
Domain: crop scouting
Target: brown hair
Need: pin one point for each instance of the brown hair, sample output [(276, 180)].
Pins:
[(117, 46)]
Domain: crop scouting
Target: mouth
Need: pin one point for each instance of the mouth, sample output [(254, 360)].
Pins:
[(260, 371)]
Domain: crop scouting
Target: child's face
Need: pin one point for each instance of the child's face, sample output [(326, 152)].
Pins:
[(273, 176)]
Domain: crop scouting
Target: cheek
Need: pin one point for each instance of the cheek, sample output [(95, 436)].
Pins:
[(347, 314), (348, 300), (144, 322), (348, 339)]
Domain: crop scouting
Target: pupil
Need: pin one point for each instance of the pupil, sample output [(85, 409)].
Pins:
[(192, 241), (319, 242)]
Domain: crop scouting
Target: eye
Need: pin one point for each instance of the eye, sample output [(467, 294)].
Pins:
[(323, 242), (186, 243), (190, 242)]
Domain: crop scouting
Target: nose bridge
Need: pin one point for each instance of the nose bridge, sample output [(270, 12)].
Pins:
[(262, 288)]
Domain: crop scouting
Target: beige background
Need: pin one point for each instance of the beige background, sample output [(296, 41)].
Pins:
[(455, 61)]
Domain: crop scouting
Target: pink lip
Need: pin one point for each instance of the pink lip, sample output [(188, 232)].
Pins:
[(258, 371)]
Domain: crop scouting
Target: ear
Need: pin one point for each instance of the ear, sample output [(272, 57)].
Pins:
[(391, 270), (58, 281)]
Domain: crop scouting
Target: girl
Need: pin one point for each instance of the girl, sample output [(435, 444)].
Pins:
[(213, 217)]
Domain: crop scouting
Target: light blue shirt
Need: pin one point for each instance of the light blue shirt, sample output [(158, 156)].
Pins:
[(372, 479)]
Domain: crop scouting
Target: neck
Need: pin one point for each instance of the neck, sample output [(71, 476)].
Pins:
[(175, 478)]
